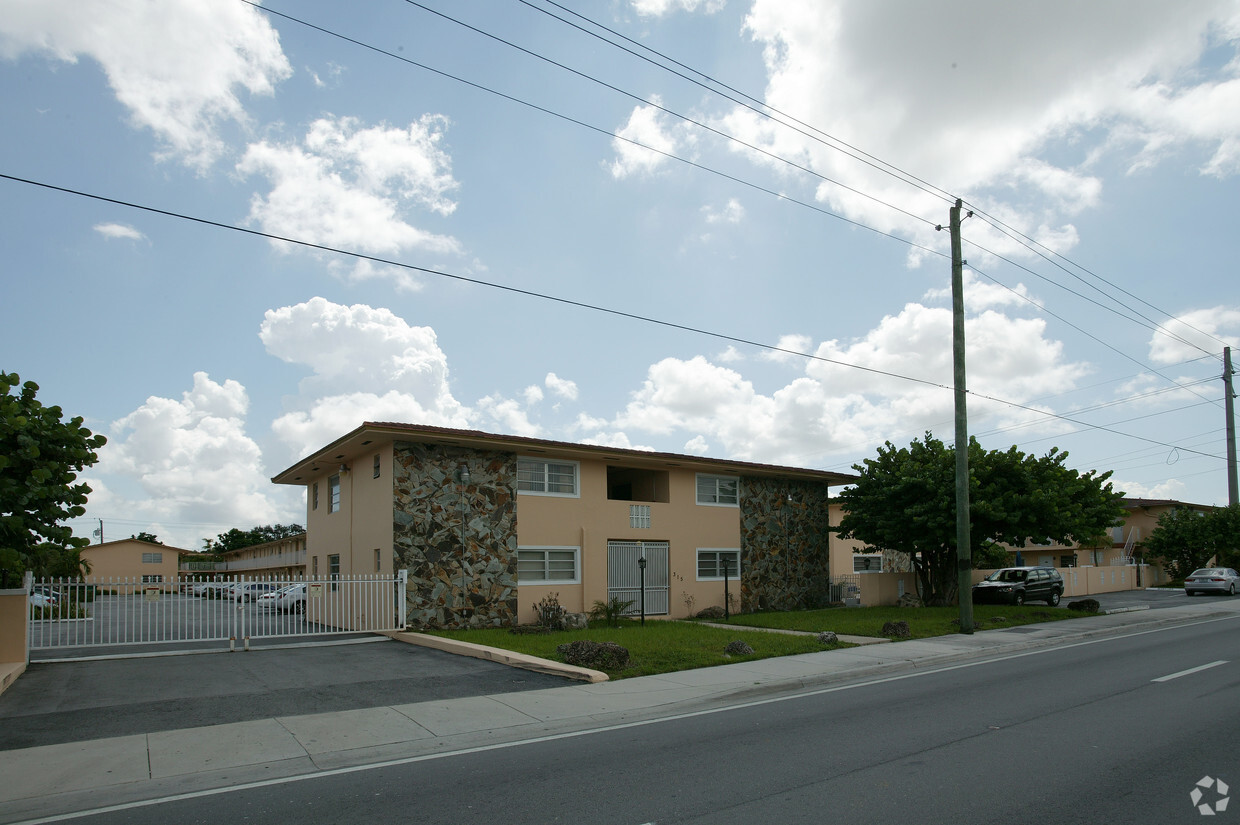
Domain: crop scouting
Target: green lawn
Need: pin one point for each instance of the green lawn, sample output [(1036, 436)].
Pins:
[(667, 646), (923, 622), (659, 647)]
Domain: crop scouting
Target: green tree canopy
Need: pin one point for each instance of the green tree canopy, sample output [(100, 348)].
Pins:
[(235, 539), (150, 538), (905, 500), (1186, 539), (40, 457)]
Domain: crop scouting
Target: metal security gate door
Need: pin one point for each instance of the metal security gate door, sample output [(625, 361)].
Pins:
[(123, 612), (624, 575)]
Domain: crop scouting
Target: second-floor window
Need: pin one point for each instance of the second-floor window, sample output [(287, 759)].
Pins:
[(721, 491), (333, 494), (639, 515), (548, 478)]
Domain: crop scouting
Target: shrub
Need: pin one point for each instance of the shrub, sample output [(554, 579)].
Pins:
[(827, 638), (550, 613), (1085, 605), (897, 630), (712, 612), (595, 655), (610, 611), (738, 648)]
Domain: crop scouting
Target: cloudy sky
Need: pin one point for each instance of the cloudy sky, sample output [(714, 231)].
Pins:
[(698, 226)]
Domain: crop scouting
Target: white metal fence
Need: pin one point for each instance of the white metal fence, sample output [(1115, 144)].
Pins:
[(69, 613)]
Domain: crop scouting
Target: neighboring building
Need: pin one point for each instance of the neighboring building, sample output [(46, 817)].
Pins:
[(1123, 546), (488, 525), (133, 561), (283, 558)]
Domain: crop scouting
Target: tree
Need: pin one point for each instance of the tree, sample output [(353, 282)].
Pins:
[(40, 457), (150, 538), (235, 539), (905, 500), (1186, 539)]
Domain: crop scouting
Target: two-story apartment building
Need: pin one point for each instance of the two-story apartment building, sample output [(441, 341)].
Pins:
[(488, 525)]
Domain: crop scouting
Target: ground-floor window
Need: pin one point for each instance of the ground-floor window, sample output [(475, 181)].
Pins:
[(152, 579), (867, 563), (333, 568), (548, 565), (713, 561)]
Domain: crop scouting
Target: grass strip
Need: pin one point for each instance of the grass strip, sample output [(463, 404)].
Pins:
[(658, 647)]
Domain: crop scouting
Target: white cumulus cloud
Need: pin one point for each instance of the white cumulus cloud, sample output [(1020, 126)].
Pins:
[(119, 230), (349, 187), (178, 66), (368, 364)]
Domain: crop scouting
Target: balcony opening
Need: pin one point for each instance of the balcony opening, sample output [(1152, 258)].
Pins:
[(629, 484)]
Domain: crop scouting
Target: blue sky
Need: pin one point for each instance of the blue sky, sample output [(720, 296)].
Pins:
[(1108, 132)]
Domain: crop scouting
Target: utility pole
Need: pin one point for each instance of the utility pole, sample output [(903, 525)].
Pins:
[(1233, 497), (964, 552)]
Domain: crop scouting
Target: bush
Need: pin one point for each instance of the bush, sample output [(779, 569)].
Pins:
[(594, 655), (827, 637), (550, 613), (1085, 605), (712, 612), (897, 630), (738, 648), (610, 611)]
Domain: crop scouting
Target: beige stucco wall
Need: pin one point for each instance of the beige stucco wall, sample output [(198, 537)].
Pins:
[(592, 520), (14, 635), (122, 560), (363, 523)]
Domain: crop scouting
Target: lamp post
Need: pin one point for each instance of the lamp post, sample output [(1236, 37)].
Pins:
[(641, 568), (462, 476)]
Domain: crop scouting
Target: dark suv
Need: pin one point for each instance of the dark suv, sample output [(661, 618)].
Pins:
[(1017, 585)]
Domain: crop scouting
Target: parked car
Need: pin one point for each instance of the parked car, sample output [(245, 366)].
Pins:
[(42, 599), (1017, 585), (250, 591), (1212, 580), (214, 590), (292, 599)]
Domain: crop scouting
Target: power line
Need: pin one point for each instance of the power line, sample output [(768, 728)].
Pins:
[(566, 302), (607, 132), (670, 155), (800, 126), (665, 110), (865, 157)]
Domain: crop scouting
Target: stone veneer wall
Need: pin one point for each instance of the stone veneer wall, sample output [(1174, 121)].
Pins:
[(785, 544), (427, 535)]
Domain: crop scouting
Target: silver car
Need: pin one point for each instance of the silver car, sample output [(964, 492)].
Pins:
[(1212, 580)]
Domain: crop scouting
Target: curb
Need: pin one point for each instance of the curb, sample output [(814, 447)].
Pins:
[(499, 655)]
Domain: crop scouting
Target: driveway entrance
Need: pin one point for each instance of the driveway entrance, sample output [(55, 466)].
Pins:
[(90, 614)]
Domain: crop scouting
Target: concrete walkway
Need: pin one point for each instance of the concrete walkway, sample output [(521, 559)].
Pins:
[(43, 781)]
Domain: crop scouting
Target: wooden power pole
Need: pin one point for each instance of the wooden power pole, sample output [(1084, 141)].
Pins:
[(964, 552), (1233, 497)]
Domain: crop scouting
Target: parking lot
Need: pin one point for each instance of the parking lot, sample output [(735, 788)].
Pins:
[(56, 702)]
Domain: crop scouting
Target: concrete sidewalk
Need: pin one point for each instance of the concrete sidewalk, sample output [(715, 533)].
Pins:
[(43, 781)]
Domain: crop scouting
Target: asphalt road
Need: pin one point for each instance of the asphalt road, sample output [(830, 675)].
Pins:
[(1116, 730), (56, 702)]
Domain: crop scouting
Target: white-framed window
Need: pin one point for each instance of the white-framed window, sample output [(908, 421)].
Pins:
[(152, 579), (548, 565), (152, 558), (867, 562), (711, 562), (333, 568), (378, 464), (333, 494), (718, 491), (545, 477), (314, 496), (639, 516)]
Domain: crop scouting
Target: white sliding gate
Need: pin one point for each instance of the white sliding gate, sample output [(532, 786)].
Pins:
[(624, 575), (94, 613)]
